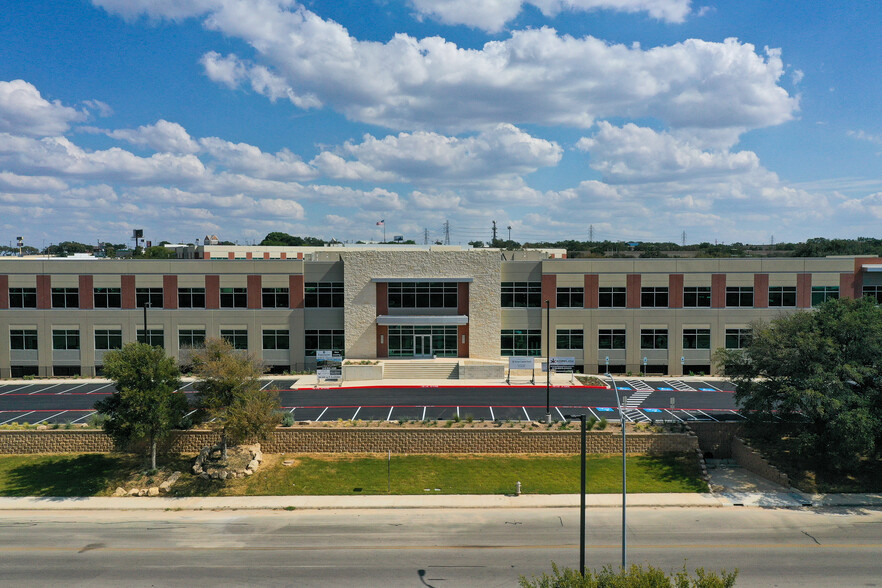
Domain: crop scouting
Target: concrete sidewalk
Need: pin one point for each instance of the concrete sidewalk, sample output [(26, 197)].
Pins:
[(766, 500)]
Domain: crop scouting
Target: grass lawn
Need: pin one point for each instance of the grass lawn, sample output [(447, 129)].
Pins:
[(319, 474)]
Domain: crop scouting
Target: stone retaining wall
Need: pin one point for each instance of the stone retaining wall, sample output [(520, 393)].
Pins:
[(371, 440), (715, 439), (752, 460)]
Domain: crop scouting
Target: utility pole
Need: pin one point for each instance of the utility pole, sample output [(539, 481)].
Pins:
[(683, 238), (591, 233), (493, 242), (447, 232), (425, 236)]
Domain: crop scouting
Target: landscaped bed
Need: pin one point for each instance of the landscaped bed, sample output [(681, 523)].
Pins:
[(353, 474)]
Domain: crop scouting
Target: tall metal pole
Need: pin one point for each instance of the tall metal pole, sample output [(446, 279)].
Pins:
[(581, 417), (620, 402), (548, 364)]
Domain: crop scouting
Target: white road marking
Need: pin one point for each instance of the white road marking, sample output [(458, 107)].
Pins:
[(639, 385), (55, 415), (594, 414), (388, 416), (292, 410), (69, 390), (319, 417), (101, 388), (189, 413), (265, 385), (492, 416), (562, 417), (735, 412), (673, 415), (525, 412), (679, 386), (356, 413), (424, 414), (707, 415), (17, 417), (709, 385), (83, 417), (43, 390), (457, 411), (15, 389)]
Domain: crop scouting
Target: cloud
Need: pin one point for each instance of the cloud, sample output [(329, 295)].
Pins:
[(245, 158), (232, 72), (10, 182), (865, 136), (161, 136), (868, 206), (492, 15), (534, 76), (24, 111)]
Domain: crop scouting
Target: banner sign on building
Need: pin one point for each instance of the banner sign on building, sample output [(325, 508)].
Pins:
[(520, 363)]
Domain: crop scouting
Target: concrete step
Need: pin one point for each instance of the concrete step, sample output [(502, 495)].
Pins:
[(424, 370)]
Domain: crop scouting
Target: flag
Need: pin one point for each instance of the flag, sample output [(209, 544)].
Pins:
[(381, 223)]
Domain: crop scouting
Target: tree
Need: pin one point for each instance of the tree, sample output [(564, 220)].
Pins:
[(228, 389), (821, 367), (144, 405)]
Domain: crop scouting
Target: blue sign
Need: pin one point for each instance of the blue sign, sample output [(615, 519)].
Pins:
[(707, 389), (651, 410), (667, 389), (623, 388), (604, 409)]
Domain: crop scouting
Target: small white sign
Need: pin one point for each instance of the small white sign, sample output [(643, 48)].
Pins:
[(520, 363), (563, 362), (324, 354), (323, 374)]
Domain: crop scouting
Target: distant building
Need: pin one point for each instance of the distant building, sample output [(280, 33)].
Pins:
[(210, 240)]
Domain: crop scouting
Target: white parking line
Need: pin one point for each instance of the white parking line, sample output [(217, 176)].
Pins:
[(594, 414), (389, 416), (189, 413), (43, 390), (265, 385), (424, 414), (292, 410), (17, 417), (735, 412), (84, 417), (673, 415), (319, 417), (15, 389), (709, 385), (707, 415), (69, 390), (492, 416), (55, 415), (356, 413), (525, 412), (562, 417), (457, 411), (102, 388)]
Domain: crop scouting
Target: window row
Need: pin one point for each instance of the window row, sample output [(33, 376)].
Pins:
[(316, 294), (108, 339), (423, 294), (700, 296), (529, 341)]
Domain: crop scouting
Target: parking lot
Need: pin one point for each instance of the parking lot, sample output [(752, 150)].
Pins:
[(646, 401)]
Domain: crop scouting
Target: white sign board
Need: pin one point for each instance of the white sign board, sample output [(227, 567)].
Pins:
[(323, 374), (562, 362), (324, 354), (520, 363)]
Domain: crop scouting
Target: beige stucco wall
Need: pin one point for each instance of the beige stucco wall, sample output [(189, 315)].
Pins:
[(360, 295)]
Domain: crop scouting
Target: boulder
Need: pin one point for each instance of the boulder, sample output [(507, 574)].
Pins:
[(249, 472), (197, 469), (133, 492), (174, 477), (253, 464), (153, 491), (165, 487), (258, 456), (120, 491)]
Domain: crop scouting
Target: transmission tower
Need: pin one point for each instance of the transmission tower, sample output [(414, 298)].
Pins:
[(591, 233), (425, 236), (447, 232), (494, 233), (683, 238)]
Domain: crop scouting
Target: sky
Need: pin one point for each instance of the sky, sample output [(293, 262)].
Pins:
[(633, 120)]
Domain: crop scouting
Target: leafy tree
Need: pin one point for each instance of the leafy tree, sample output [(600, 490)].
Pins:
[(822, 367), (229, 391), (144, 406), (280, 239)]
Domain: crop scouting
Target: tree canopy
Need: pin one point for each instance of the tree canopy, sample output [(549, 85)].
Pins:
[(280, 239), (144, 405), (822, 367), (229, 391)]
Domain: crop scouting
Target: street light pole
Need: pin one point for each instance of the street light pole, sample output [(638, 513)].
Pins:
[(581, 417), (621, 403), (548, 364)]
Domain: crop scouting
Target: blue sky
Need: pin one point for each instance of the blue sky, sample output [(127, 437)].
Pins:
[(729, 121)]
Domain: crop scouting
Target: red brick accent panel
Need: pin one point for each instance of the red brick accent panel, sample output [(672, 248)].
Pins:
[(206, 255), (462, 298), (212, 292), (549, 289), (633, 290), (846, 285), (127, 291), (249, 255), (803, 290), (462, 341), (675, 291), (592, 291), (283, 255), (761, 290), (718, 291), (382, 341), (87, 298), (255, 291), (266, 254), (382, 298), (44, 291), (4, 292), (858, 284), (295, 290), (170, 291), (299, 255)]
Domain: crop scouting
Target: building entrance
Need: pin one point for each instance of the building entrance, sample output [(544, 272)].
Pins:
[(422, 346), (422, 341)]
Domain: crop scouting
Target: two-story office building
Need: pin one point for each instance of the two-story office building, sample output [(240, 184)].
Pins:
[(59, 317)]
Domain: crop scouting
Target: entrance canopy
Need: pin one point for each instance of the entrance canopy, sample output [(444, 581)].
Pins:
[(422, 321)]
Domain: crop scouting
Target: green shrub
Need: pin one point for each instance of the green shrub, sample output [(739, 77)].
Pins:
[(288, 420), (469, 418), (589, 424), (602, 424), (634, 577), (457, 418)]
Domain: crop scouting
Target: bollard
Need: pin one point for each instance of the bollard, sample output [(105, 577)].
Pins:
[(518, 489)]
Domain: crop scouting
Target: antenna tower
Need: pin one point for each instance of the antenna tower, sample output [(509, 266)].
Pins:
[(494, 233), (447, 232)]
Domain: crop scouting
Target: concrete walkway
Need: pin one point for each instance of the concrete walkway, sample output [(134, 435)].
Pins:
[(767, 500)]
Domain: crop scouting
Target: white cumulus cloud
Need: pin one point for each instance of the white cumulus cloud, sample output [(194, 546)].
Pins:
[(162, 136), (24, 111)]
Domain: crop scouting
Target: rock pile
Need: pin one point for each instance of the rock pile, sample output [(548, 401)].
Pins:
[(163, 488), (241, 461)]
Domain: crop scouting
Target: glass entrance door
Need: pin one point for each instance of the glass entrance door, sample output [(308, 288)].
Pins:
[(422, 345)]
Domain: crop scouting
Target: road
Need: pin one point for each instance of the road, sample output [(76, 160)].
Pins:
[(440, 548), (648, 400)]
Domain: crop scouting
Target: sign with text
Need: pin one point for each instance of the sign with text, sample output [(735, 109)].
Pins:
[(520, 363), (562, 362)]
